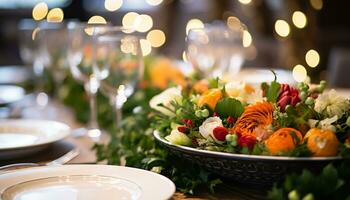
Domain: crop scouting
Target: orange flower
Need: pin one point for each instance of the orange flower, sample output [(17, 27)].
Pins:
[(210, 98), (255, 116), (201, 86), (322, 142), (162, 72), (283, 140)]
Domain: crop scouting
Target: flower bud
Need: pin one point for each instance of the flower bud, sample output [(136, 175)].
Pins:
[(205, 113), (310, 101)]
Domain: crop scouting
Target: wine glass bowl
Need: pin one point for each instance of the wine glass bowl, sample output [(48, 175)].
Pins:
[(119, 65), (216, 50)]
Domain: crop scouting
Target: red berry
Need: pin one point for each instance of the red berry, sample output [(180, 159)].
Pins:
[(189, 123), (194, 142), (215, 114), (246, 141), (182, 129), (220, 133), (230, 120)]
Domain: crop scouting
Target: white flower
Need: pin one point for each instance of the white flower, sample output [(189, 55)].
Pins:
[(325, 124), (165, 98), (178, 138), (245, 93), (331, 104), (206, 129)]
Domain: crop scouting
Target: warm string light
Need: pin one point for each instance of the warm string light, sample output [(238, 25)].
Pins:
[(299, 19), (247, 39), (39, 11), (113, 5), (156, 37), (312, 58), (299, 73), (140, 23), (316, 4), (55, 15), (146, 47), (282, 28), (194, 23), (154, 2), (96, 19), (245, 1)]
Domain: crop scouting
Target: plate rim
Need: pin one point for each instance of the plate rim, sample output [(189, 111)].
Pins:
[(63, 135), (72, 169), (157, 136)]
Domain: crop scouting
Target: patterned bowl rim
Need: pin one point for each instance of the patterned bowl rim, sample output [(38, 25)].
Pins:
[(241, 156)]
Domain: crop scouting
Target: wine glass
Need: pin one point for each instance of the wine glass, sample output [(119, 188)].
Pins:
[(29, 52), (53, 51), (82, 66), (120, 65), (216, 50)]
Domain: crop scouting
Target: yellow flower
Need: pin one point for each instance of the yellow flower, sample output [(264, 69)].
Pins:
[(210, 98)]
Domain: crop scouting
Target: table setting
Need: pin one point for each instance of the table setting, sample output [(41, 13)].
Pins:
[(99, 110)]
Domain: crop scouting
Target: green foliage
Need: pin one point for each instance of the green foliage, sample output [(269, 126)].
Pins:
[(272, 90), (331, 183), (229, 107)]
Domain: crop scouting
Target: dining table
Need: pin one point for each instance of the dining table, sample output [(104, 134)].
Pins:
[(55, 110)]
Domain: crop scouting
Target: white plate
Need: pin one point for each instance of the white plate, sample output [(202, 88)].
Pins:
[(10, 94), (14, 74), (22, 137), (84, 182)]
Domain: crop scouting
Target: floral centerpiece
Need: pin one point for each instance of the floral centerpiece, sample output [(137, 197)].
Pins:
[(269, 119)]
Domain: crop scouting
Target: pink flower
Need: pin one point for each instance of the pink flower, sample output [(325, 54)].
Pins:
[(287, 96)]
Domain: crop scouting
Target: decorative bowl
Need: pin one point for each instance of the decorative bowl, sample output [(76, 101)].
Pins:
[(252, 170)]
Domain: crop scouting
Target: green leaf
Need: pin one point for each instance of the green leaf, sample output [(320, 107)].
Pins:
[(273, 92), (229, 107)]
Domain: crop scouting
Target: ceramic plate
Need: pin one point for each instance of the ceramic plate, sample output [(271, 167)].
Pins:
[(85, 182), (23, 137), (10, 94), (14, 74)]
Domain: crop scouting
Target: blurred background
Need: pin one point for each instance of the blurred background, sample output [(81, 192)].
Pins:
[(308, 36)]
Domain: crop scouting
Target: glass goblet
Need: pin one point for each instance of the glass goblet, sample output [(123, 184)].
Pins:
[(216, 50), (82, 66), (120, 65)]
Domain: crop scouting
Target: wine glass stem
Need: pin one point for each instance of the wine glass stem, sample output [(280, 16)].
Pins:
[(117, 110), (91, 89)]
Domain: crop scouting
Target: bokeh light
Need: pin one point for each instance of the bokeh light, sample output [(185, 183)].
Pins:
[(233, 23), (316, 4), (184, 57), (194, 23), (55, 15), (154, 2), (143, 23), (299, 73), (299, 19), (312, 58), (113, 5), (282, 28), (129, 19), (96, 19), (247, 39), (35, 32), (156, 37), (245, 1), (39, 11), (146, 47)]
